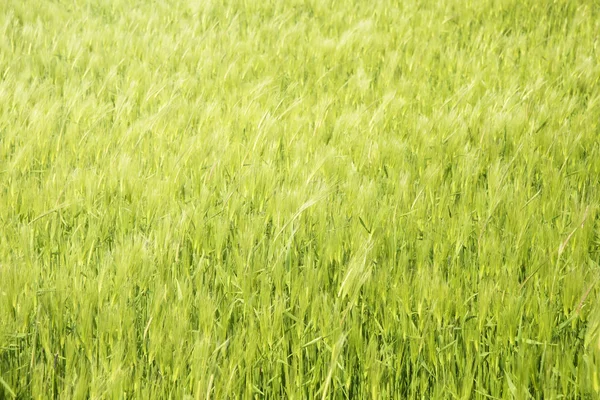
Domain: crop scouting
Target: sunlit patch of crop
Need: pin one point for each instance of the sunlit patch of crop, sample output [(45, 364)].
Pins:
[(299, 199)]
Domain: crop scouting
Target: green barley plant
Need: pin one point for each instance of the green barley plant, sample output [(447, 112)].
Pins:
[(299, 199)]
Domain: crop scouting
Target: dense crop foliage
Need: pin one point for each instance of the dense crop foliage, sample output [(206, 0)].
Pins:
[(299, 199)]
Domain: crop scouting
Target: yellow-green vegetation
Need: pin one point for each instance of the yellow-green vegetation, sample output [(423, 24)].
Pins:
[(299, 199)]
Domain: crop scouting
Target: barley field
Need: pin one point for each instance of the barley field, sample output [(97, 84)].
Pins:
[(299, 199)]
